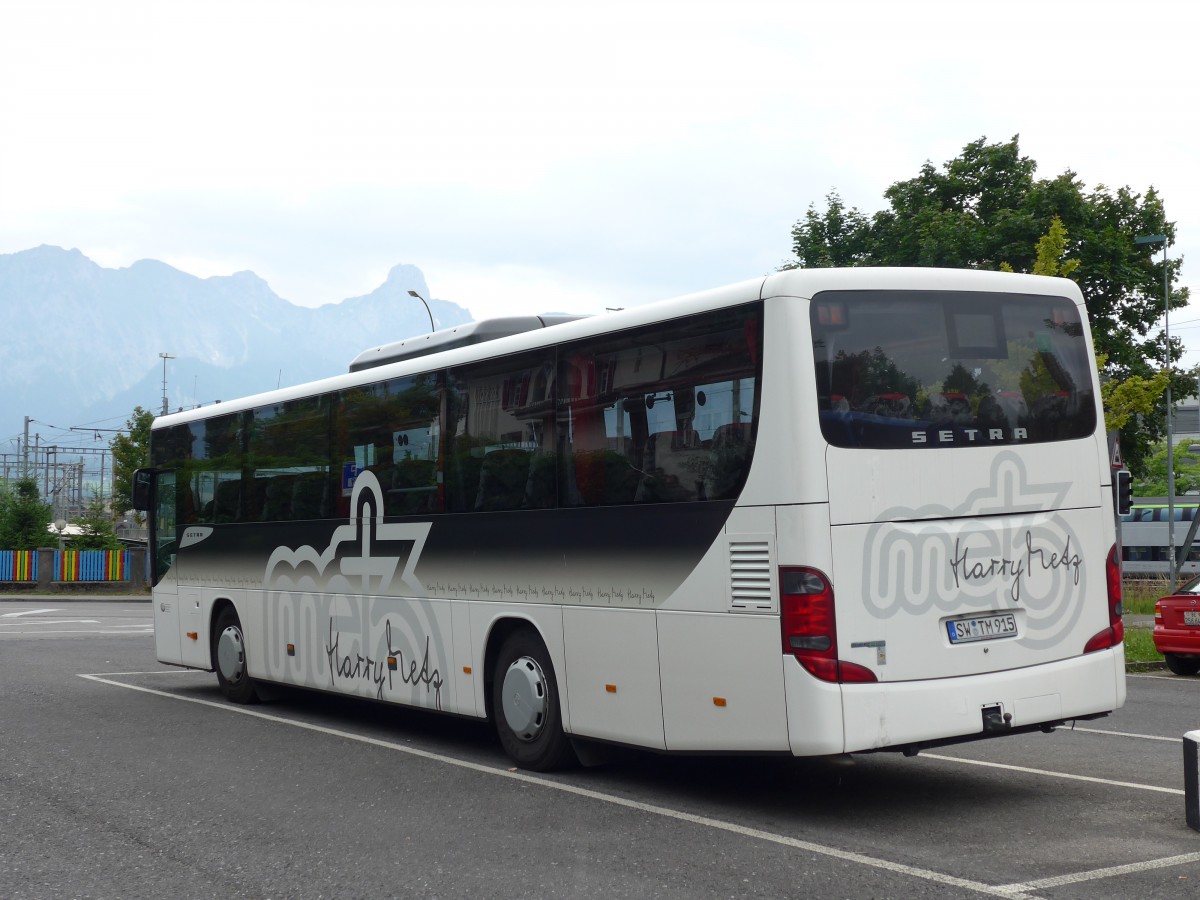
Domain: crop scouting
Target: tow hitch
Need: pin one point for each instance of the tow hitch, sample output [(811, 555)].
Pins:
[(995, 719)]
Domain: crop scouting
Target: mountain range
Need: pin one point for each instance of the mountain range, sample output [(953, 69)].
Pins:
[(84, 340)]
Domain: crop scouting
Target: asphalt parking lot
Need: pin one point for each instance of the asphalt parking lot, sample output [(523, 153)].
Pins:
[(124, 778)]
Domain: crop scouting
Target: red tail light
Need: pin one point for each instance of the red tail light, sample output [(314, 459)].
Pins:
[(809, 627), (1115, 632)]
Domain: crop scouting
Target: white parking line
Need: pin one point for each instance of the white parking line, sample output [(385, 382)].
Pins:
[(1131, 734), (53, 622), (27, 612), (1178, 679), (1065, 775), (5, 632), (648, 808), (101, 676), (1095, 874)]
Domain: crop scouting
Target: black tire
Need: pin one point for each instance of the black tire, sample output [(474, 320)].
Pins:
[(1182, 665), (229, 658), (526, 707)]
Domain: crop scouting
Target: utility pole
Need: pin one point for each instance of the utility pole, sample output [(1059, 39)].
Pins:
[(164, 357), (1167, 364)]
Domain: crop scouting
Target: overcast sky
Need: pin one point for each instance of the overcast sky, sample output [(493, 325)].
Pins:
[(537, 156)]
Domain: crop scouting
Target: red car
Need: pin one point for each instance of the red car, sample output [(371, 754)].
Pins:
[(1177, 629)]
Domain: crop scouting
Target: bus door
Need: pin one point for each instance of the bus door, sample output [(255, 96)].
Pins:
[(164, 546)]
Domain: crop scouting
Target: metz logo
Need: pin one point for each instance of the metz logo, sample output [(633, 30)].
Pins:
[(362, 556), (337, 607), (949, 560)]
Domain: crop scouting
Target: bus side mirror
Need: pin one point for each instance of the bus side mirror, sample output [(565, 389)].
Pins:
[(1123, 488), (143, 482)]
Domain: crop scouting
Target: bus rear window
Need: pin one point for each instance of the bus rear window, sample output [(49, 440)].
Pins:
[(950, 369)]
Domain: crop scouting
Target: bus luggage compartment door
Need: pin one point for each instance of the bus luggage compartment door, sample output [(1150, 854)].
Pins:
[(166, 623)]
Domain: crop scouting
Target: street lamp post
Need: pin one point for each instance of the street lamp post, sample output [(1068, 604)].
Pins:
[(432, 327), (164, 357), (1162, 239)]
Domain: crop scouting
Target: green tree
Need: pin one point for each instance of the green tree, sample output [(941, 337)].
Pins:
[(24, 518), (131, 451), (1124, 399), (986, 209), (1153, 483), (1128, 399), (98, 532)]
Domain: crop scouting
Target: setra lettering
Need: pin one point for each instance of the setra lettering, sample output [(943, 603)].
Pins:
[(970, 436)]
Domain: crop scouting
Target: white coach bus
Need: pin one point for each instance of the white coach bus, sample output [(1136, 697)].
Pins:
[(821, 512)]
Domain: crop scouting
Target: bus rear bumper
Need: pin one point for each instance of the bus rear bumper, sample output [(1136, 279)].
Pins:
[(907, 715), (901, 715)]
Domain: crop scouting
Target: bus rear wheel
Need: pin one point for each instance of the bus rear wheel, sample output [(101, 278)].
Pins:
[(525, 705), (229, 658), (1182, 665)]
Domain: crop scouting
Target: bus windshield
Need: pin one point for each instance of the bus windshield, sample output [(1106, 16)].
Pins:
[(929, 369)]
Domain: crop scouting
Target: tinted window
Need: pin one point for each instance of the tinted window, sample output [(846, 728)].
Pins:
[(663, 414), (943, 369), (213, 475), (391, 429), (171, 448), (501, 435), (287, 466)]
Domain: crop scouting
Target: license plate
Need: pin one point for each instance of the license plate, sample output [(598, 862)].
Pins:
[(982, 628), (1191, 617)]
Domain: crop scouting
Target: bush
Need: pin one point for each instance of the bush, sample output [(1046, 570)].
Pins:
[(98, 533), (24, 518)]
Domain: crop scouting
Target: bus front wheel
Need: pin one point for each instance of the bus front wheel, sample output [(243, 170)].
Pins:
[(525, 704), (229, 658)]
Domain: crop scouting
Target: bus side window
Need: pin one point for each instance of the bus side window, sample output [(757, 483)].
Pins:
[(501, 434), (675, 467), (733, 446), (392, 430), (285, 472), (641, 415), (227, 501), (597, 433), (503, 477), (277, 504)]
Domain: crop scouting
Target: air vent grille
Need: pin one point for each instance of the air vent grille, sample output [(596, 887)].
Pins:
[(750, 583)]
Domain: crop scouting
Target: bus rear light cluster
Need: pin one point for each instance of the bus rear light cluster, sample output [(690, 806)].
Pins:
[(809, 628), (1114, 634)]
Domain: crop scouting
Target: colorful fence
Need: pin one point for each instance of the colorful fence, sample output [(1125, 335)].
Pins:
[(18, 565), (69, 565), (91, 565)]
